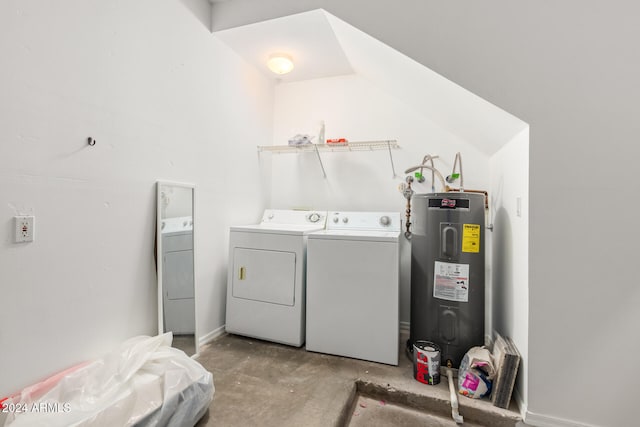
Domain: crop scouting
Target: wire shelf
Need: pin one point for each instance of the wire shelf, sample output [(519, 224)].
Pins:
[(388, 145), (349, 146)]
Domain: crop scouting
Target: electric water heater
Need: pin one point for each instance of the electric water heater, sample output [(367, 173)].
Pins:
[(447, 272)]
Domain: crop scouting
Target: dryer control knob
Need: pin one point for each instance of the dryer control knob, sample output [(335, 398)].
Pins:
[(314, 217), (336, 219), (385, 220), (345, 219)]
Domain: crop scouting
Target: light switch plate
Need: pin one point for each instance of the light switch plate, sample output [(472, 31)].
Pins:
[(25, 228)]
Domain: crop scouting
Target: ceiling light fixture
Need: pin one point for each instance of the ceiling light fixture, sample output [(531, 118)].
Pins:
[(280, 63)]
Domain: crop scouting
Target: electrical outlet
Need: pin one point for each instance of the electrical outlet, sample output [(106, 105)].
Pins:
[(25, 228)]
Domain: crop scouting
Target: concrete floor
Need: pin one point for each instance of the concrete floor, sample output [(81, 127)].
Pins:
[(259, 383)]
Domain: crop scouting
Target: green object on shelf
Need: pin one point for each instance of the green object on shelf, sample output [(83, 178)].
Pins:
[(455, 175)]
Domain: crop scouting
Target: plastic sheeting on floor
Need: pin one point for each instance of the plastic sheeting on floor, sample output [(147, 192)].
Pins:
[(145, 382)]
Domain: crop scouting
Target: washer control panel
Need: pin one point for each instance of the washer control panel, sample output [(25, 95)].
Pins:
[(374, 221)]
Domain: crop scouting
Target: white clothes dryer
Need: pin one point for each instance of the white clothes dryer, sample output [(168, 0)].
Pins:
[(353, 286), (267, 275)]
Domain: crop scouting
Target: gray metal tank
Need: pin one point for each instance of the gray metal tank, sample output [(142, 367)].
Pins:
[(447, 272)]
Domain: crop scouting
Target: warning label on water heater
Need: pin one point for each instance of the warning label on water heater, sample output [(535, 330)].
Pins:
[(451, 281), (471, 238)]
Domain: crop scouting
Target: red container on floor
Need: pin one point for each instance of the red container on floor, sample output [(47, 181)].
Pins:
[(426, 362)]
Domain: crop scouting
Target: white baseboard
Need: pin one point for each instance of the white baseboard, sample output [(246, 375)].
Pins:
[(539, 420), (522, 406), (207, 338)]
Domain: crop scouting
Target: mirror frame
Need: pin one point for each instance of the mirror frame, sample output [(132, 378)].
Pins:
[(159, 265)]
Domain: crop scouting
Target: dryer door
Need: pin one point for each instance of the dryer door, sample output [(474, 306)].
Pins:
[(264, 275)]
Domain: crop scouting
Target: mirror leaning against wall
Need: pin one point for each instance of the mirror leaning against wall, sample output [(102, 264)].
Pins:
[(175, 249)]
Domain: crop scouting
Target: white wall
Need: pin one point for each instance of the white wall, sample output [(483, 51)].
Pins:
[(509, 196), (164, 100), (570, 73), (354, 108)]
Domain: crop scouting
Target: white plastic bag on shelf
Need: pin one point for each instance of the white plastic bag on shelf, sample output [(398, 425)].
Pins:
[(300, 139), (476, 373), (145, 382)]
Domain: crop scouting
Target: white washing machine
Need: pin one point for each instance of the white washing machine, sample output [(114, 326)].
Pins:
[(266, 280), (353, 286), (177, 275)]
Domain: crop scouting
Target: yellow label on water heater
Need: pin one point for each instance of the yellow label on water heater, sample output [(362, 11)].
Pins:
[(471, 238)]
